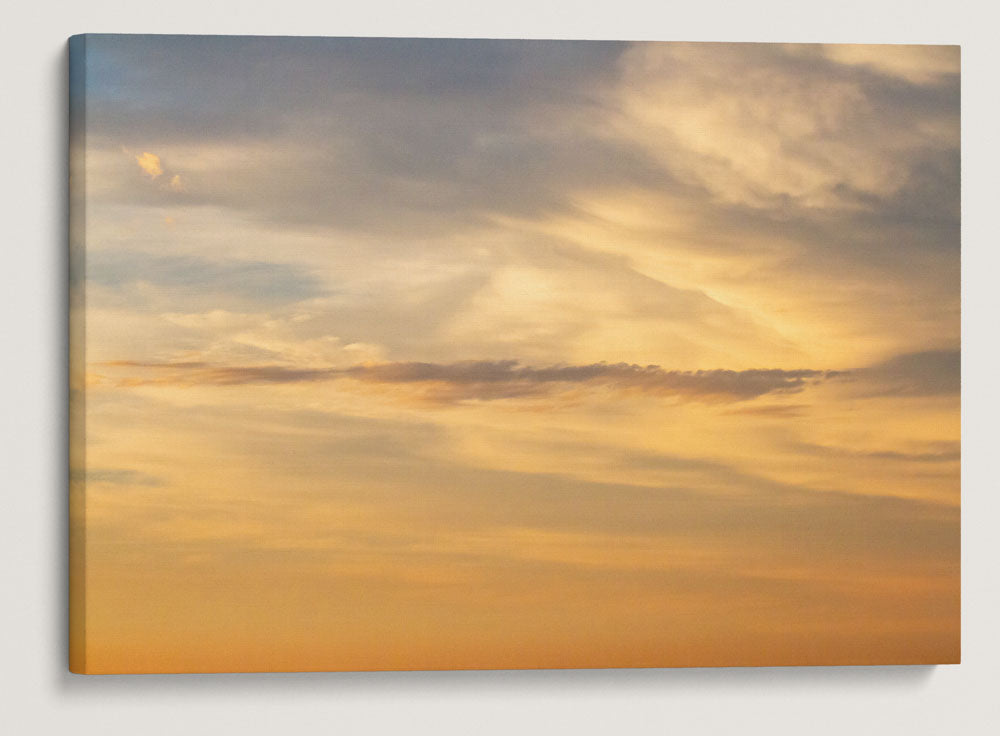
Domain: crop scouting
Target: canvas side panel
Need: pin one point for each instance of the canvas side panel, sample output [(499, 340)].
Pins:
[(77, 356)]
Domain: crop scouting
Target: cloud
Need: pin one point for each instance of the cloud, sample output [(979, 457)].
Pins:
[(781, 411), (491, 380), (770, 126), (116, 476), (797, 205), (150, 164), (501, 379), (395, 133), (928, 373), (398, 132), (915, 64), (201, 279), (941, 453)]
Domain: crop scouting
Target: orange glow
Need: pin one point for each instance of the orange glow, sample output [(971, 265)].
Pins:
[(604, 356)]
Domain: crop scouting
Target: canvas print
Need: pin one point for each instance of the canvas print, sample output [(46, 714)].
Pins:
[(408, 354)]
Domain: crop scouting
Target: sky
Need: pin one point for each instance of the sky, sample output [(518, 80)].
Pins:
[(431, 354)]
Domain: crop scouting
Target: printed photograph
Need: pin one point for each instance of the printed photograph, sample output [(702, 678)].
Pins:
[(424, 354)]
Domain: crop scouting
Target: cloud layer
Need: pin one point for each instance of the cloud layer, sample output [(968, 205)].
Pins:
[(712, 296), (489, 380)]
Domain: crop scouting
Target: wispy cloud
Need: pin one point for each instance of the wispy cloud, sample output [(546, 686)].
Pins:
[(116, 477), (781, 411), (950, 452), (485, 380), (502, 379)]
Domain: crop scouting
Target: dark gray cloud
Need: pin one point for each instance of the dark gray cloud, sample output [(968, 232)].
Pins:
[(378, 134), (501, 379), (490, 380), (930, 373), (198, 87), (383, 134)]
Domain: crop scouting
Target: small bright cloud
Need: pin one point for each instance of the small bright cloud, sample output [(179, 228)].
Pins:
[(150, 164), (175, 183)]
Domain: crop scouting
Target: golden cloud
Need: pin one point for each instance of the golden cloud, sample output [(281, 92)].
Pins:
[(150, 164)]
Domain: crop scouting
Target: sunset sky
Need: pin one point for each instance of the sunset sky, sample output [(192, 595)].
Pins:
[(419, 354)]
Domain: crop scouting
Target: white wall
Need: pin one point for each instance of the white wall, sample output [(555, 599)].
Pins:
[(38, 696)]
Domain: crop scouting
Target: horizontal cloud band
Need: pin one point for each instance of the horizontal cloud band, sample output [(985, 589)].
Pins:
[(488, 380)]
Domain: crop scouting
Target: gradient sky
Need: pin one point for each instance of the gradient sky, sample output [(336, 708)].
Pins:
[(410, 354)]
